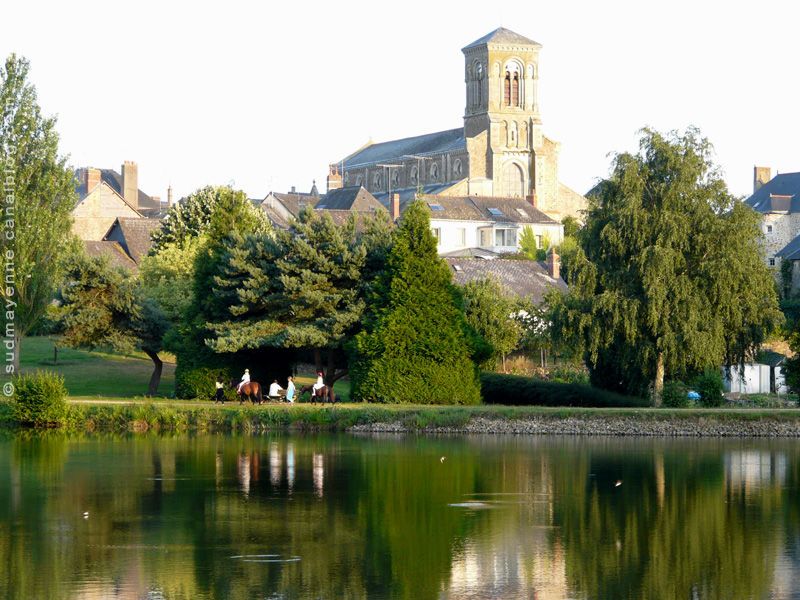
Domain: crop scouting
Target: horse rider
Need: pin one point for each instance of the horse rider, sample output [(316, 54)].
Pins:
[(245, 379), (320, 383)]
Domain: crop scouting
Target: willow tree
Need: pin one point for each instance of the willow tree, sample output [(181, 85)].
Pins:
[(669, 278), (38, 198)]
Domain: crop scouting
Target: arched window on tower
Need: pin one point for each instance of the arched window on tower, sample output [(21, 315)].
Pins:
[(515, 89), (507, 89)]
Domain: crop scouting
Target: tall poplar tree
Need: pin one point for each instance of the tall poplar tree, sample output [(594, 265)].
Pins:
[(417, 345), (669, 278), (38, 198)]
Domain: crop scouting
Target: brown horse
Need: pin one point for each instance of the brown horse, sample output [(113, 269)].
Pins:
[(324, 394), (250, 391)]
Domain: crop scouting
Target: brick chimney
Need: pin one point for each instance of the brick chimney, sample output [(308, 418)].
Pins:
[(761, 175), (334, 178), (553, 263), (92, 178), (130, 183), (531, 198), (394, 207)]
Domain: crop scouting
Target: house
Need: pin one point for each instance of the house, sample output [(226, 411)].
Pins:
[(105, 195), (777, 199), (464, 225), (339, 203), (282, 208), (126, 243), (527, 279), (499, 151)]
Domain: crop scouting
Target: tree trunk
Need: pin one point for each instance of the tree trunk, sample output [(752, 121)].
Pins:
[(155, 378), (317, 360), (658, 383)]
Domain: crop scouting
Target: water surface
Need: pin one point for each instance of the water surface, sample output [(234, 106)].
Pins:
[(319, 516)]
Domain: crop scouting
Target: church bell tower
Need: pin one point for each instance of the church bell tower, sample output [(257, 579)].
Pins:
[(502, 124)]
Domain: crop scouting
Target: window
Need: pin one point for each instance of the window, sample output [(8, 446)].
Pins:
[(457, 167), (376, 181), (769, 228), (434, 172), (434, 206), (515, 90), (495, 212), (539, 242), (507, 89), (771, 262), (486, 238), (395, 178), (437, 233), (413, 176), (461, 236), (505, 237), (521, 212)]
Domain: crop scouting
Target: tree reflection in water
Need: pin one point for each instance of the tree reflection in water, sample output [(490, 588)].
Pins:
[(384, 517)]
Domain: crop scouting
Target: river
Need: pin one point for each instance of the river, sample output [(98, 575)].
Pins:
[(385, 516)]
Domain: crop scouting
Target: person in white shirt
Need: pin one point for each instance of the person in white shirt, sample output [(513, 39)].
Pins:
[(274, 389), (245, 379), (290, 390), (320, 382)]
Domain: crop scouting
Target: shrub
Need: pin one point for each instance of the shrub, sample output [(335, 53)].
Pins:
[(199, 382), (40, 399), (569, 374), (709, 386), (524, 391), (675, 395)]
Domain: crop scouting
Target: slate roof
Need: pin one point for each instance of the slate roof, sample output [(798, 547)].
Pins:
[(779, 194), (790, 251), (114, 181), (349, 198), (134, 235), (503, 36), (485, 208), (523, 278), (112, 250), (430, 143), (410, 193), (295, 202)]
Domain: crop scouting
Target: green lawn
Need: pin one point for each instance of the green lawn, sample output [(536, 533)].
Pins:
[(96, 374)]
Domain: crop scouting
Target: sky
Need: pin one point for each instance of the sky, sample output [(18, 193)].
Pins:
[(264, 95)]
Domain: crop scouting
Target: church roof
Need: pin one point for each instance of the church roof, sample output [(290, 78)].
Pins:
[(501, 35), (779, 194), (430, 143)]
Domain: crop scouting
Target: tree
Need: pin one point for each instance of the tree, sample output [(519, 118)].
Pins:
[(669, 278), (416, 346), (490, 311), (301, 289), (105, 307), (191, 217), (38, 197)]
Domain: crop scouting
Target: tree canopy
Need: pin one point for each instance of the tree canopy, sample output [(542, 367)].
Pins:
[(417, 345), (669, 278), (38, 198)]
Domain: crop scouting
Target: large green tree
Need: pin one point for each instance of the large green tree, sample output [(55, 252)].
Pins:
[(491, 312), (38, 197), (669, 278), (301, 289), (105, 307), (417, 346)]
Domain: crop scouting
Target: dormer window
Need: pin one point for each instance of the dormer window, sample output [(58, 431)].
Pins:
[(769, 228)]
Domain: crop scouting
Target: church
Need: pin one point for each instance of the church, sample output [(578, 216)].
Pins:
[(500, 152)]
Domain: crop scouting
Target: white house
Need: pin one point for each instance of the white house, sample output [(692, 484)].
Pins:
[(471, 225)]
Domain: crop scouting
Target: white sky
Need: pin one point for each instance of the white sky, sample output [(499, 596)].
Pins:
[(267, 94)]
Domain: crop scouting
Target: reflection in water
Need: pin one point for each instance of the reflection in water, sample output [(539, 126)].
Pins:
[(363, 517)]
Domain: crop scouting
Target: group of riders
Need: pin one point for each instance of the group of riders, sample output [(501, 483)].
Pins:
[(275, 390)]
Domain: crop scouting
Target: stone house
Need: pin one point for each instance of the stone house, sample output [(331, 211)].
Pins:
[(501, 150), (126, 243), (777, 199), (105, 195)]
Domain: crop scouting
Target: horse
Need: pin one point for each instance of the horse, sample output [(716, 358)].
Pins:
[(250, 391), (325, 393)]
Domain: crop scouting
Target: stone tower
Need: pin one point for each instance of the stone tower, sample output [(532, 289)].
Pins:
[(508, 154)]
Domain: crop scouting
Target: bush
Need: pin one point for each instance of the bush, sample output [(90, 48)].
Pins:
[(199, 382), (524, 391), (709, 386), (569, 374), (40, 399), (675, 395)]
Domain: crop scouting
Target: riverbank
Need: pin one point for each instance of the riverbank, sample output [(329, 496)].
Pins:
[(169, 415)]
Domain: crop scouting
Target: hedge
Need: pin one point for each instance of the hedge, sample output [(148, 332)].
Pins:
[(515, 390)]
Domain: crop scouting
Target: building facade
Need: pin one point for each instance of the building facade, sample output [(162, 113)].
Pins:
[(501, 151)]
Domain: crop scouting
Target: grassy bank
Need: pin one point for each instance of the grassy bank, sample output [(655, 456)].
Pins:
[(119, 416)]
